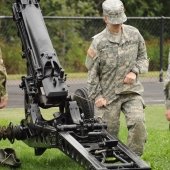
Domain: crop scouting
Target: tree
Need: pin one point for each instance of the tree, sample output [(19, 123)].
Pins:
[(143, 8)]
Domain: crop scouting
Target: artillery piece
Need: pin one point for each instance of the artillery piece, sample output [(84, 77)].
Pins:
[(72, 129)]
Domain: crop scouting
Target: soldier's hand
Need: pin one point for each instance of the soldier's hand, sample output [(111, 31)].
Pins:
[(3, 102), (100, 102), (167, 114), (130, 78)]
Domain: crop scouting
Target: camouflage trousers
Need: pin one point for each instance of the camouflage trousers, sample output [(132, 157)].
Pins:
[(133, 108)]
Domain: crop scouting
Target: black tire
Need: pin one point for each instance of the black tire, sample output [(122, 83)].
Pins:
[(85, 105)]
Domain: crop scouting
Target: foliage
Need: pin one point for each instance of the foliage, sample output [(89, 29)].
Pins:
[(76, 55), (12, 57), (71, 39), (143, 7), (5, 6), (69, 8), (154, 54)]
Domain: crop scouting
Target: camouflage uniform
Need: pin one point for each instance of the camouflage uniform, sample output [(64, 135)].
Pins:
[(106, 73), (3, 79), (167, 85)]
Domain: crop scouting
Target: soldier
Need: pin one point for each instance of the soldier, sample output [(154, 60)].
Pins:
[(3, 79), (167, 91), (115, 58)]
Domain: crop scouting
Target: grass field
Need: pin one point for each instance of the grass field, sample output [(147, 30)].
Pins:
[(157, 148)]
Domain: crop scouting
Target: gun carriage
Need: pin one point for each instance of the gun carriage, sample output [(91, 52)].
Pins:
[(72, 129)]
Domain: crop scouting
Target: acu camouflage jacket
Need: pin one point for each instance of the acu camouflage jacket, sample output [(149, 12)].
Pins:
[(3, 78), (113, 61), (167, 85)]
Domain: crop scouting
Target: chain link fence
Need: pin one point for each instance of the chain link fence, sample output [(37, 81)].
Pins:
[(71, 37)]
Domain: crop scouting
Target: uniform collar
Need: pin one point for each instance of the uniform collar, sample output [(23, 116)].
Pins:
[(124, 36)]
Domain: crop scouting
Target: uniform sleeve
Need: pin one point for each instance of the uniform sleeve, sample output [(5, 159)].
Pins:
[(92, 64), (3, 78), (89, 62), (167, 87), (91, 55), (167, 96), (142, 62), (94, 88)]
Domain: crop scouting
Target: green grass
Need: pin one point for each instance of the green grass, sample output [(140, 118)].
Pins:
[(157, 148)]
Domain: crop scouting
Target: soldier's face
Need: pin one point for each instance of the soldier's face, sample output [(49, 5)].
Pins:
[(112, 27)]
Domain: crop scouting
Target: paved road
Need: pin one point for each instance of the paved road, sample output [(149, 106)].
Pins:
[(153, 92)]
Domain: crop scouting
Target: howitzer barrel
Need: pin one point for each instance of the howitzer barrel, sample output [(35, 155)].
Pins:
[(42, 61)]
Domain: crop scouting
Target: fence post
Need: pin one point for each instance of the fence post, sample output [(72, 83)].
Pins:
[(161, 49)]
